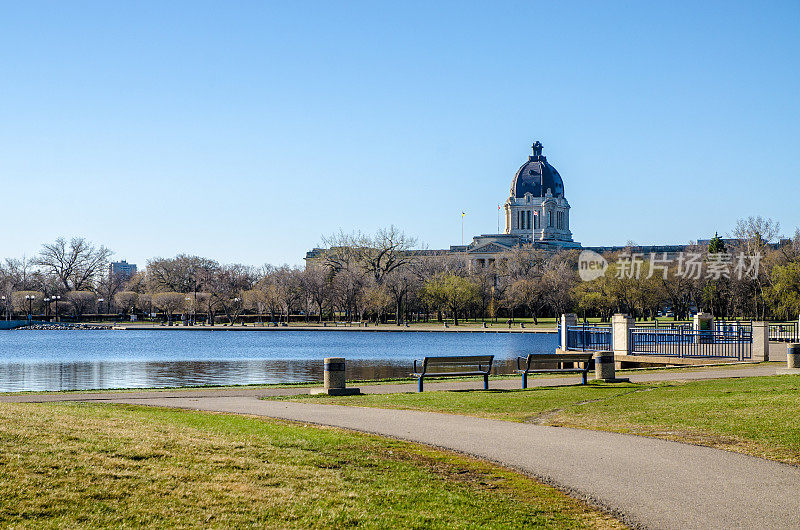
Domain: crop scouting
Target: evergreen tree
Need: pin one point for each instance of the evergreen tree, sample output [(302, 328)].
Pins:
[(716, 245)]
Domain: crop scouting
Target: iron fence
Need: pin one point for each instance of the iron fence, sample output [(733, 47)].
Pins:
[(588, 338), (783, 332), (682, 342)]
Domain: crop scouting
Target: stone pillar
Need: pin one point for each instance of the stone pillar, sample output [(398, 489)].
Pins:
[(703, 322), (334, 379), (760, 351), (793, 356), (620, 325), (567, 319), (703, 325)]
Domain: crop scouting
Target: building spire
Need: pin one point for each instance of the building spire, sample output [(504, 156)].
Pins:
[(537, 148)]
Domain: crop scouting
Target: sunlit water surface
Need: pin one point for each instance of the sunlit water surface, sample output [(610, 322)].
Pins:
[(78, 360)]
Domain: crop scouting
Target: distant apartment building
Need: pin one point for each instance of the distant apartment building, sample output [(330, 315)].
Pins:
[(121, 268)]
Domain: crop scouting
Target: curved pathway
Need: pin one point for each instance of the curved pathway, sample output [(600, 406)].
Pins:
[(646, 481)]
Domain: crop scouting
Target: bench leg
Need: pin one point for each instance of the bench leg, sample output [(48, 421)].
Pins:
[(486, 382), (420, 385), (584, 377), (524, 380)]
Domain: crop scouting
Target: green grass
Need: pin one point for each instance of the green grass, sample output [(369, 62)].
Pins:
[(756, 415), (90, 465)]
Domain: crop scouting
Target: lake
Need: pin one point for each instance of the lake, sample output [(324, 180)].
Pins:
[(40, 360)]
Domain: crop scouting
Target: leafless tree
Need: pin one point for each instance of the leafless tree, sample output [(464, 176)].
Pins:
[(378, 255), (226, 286), (82, 302), (317, 284), (169, 302), (27, 301), (126, 300), (181, 274), (76, 263)]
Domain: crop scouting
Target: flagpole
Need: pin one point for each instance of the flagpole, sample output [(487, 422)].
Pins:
[(462, 229)]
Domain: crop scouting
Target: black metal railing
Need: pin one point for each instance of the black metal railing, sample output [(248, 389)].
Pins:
[(663, 325), (682, 342), (783, 332), (588, 338)]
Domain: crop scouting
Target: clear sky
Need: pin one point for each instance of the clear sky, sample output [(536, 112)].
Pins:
[(246, 131)]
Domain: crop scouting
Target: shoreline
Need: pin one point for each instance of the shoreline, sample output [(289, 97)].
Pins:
[(387, 329)]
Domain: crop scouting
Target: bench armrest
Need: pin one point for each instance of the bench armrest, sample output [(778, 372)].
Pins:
[(415, 366), (519, 367)]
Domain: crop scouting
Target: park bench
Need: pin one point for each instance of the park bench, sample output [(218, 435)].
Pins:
[(528, 365), (454, 366)]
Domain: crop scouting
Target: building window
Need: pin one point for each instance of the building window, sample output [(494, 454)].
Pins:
[(550, 219), (528, 221)]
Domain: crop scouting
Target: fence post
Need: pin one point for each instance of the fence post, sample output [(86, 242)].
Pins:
[(760, 348), (703, 327), (567, 319), (620, 334)]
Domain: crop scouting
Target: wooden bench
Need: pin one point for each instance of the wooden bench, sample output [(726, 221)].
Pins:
[(455, 366), (524, 365)]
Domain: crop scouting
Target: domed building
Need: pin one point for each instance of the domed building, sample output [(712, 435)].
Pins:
[(536, 209), (536, 212)]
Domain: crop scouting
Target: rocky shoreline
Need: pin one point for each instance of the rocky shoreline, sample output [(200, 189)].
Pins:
[(63, 326)]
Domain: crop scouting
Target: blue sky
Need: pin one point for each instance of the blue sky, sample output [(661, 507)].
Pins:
[(247, 131)]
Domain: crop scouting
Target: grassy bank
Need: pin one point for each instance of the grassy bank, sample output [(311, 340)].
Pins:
[(68, 465), (757, 415)]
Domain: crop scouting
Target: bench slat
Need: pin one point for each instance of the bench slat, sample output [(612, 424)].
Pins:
[(444, 374)]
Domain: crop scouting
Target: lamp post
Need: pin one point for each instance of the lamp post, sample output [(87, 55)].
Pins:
[(191, 310), (236, 301), (46, 307), (30, 298), (100, 304), (5, 307), (55, 299)]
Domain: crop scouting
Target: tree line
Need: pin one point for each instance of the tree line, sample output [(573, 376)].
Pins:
[(384, 277)]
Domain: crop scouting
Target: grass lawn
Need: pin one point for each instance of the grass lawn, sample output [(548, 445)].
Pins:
[(756, 415), (89, 465)]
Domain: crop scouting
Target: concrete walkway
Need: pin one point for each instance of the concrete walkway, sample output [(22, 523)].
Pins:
[(648, 482)]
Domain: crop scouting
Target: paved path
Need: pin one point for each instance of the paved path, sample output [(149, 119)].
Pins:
[(650, 482), (644, 376)]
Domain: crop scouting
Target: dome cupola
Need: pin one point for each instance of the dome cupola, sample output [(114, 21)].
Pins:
[(536, 176)]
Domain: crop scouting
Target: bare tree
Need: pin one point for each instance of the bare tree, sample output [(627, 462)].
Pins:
[(169, 302), (226, 286), (126, 300), (181, 274), (76, 264), (27, 301), (754, 235), (255, 300), (378, 255), (82, 302), (316, 283)]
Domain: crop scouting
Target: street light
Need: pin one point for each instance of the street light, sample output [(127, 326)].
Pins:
[(46, 307), (30, 298), (5, 307), (236, 301), (56, 299), (100, 304)]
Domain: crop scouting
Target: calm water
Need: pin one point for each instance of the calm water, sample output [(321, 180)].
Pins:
[(71, 360)]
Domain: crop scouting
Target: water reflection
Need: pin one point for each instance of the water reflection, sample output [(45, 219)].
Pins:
[(47, 360)]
